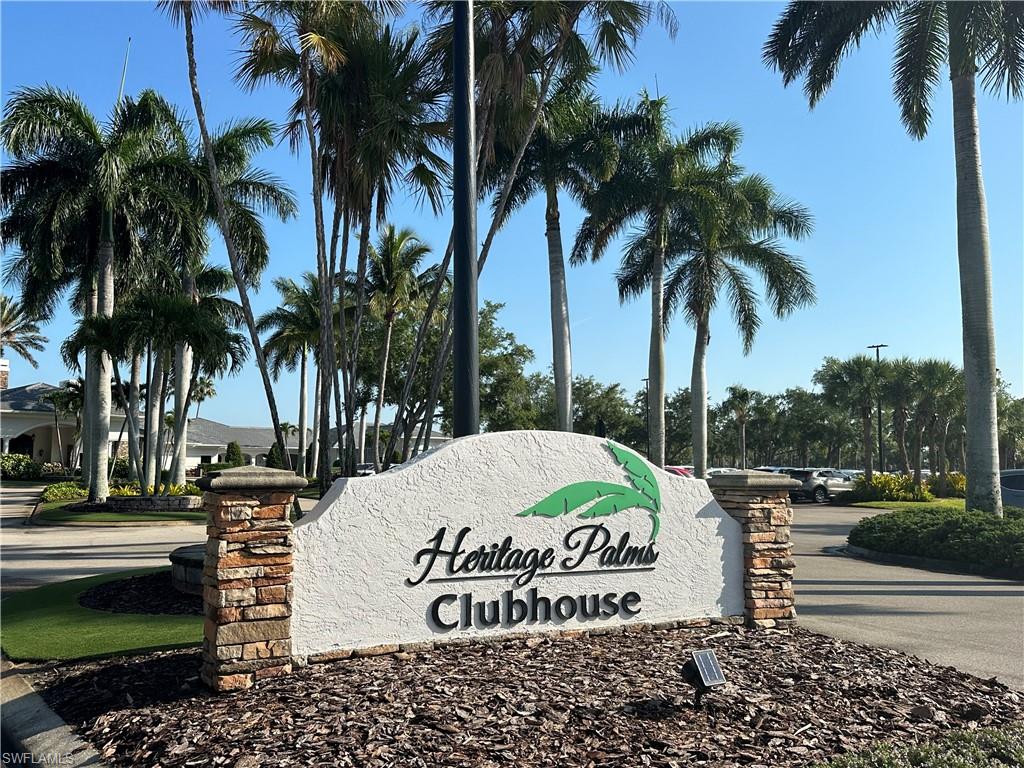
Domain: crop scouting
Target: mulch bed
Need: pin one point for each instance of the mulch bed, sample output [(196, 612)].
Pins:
[(151, 594), (793, 698)]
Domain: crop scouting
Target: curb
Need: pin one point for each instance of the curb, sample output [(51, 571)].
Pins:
[(126, 524), (31, 728), (926, 563)]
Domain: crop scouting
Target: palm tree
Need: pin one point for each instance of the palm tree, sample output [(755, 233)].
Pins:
[(657, 178), (722, 225), (810, 39), (294, 329), (740, 401), (19, 331), (76, 187), (204, 390), (289, 429), (184, 11), (935, 381), (899, 379), (853, 385), (394, 287), (573, 148), (521, 50)]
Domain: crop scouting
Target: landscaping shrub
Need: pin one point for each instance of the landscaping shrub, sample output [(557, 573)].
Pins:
[(974, 537), (883, 487), (64, 492), (954, 486), (132, 489), (233, 457), (216, 467), (275, 459), (982, 748), (121, 466), (53, 468), (18, 466)]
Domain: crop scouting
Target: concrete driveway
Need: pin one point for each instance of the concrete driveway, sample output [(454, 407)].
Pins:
[(970, 622), (31, 555)]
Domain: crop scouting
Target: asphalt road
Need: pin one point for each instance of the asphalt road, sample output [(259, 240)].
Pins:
[(970, 622), (31, 555)]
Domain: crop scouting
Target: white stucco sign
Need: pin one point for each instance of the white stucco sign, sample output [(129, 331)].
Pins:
[(507, 532)]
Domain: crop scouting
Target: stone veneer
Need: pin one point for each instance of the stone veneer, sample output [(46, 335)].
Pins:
[(247, 575), (154, 503), (759, 501)]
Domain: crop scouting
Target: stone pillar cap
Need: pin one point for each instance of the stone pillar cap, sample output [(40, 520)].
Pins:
[(251, 479), (752, 480)]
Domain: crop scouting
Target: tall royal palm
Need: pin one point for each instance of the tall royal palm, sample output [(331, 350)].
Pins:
[(394, 286), (185, 12), (19, 331), (723, 226), (971, 38), (294, 332), (657, 176), (76, 189), (574, 147)]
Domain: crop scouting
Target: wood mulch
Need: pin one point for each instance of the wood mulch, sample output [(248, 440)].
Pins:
[(792, 698), (151, 594)]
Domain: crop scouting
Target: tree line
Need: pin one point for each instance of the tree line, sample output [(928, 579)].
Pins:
[(90, 206)]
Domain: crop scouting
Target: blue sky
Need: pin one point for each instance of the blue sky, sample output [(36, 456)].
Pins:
[(883, 253)]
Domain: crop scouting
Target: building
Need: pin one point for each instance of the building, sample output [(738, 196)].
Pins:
[(30, 425)]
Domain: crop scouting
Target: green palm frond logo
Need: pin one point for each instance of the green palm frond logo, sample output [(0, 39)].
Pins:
[(608, 498)]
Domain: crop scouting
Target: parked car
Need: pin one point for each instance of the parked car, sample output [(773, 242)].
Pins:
[(365, 470), (1011, 482), (712, 471), (681, 471), (819, 485)]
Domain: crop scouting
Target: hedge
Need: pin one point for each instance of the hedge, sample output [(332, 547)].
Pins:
[(974, 537), (64, 492), (18, 466)]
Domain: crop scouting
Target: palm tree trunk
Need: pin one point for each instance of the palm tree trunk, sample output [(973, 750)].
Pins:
[(182, 382), (699, 400), (133, 408), (656, 362), (225, 228), (133, 439), (315, 459), (303, 386), (348, 464), (384, 354), (161, 431), (918, 453), (901, 439), (743, 445), (153, 419), (117, 450), (979, 342), (88, 394), (867, 443), (56, 430), (561, 344), (99, 488), (361, 437)]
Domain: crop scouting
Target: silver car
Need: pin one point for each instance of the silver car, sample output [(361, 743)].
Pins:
[(819, 485), (1012, 482)]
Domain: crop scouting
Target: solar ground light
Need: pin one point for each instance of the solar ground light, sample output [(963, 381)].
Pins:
[(703, 672)]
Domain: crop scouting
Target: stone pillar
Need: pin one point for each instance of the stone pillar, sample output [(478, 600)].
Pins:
[(247, 574), (759, 501)]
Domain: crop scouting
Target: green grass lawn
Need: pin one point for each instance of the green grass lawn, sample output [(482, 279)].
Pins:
[(310, 492), (56, 512), (47, 623), (904, 505), (983, 748)]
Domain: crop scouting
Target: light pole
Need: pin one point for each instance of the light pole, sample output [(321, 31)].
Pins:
[(881, 443), (466, 361)]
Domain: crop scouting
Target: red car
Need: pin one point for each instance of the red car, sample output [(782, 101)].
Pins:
[(681, 471)]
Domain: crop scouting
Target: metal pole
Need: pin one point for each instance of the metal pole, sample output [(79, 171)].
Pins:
[(466, 384), (881, 443)]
